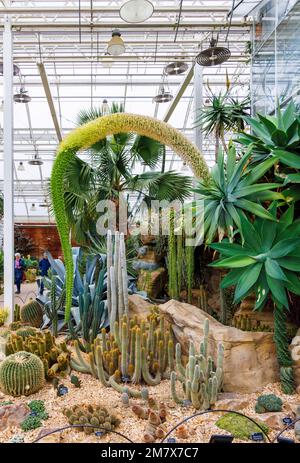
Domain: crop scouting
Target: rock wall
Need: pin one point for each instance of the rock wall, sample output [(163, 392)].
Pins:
[(249, 359)]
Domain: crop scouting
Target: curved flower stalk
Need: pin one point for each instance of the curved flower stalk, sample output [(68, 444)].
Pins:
[(88, 134)]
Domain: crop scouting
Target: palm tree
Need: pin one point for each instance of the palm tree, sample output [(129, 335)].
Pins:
[(109, 175)]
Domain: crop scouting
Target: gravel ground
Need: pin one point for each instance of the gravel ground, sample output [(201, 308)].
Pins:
[(91, 391)]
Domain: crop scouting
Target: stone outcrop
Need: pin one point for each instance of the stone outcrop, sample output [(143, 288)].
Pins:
[(13, 415), (295, 353), (138, 306), (152, 282), (249, 358), (273, 420)]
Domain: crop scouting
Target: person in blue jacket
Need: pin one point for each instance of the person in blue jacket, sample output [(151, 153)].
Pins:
[(44, 266), (19, 271)]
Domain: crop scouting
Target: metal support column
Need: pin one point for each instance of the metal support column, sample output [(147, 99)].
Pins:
[(8, 186), (198, 99)]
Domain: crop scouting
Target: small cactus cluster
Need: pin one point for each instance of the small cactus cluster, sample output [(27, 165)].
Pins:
[(92, 415), (55, 357), (32, 313), (37, 414), (21, 373), (200, 380), (245, 323), (268, 403), (135, 352), (155, 416)]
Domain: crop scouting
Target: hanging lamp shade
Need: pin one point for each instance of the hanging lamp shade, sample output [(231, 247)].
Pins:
[(163, 95), (116, 45), (105, 109), (22, 97), (175, 68), (214, 55), (21, 166), (136, 11), (33, 207), (36, 161)]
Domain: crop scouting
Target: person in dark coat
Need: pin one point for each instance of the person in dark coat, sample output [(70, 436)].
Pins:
[(44, 266), (19, 271)]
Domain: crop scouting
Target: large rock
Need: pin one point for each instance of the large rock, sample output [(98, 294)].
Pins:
[(152, 282), (234, 403), (273, 420), (138, 306), (249, 358), (13, 415), (295, 353)]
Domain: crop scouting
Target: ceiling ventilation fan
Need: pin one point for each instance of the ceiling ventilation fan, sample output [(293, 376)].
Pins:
[(214, 55)]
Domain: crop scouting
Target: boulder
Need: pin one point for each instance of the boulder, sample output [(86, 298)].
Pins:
[(234, 404), (13, 415), (54, 438), (249, 357), (138, 306), (295, 353), (273, 420), (152, 282)]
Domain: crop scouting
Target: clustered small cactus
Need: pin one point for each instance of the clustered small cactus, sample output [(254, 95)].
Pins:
[(201, 382), (55, 356), (244, 323), (32, 313), (21, 373), (134, 352), (155, 415), (37, 414), (268, 403), (92, 415)]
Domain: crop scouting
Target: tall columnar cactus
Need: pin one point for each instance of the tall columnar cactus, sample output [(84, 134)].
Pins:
[(189, 253), (172, 257), (117, 287), (32, 313), (200, 379), (55, 304), (134, 351), (282, 351), (21, 374), (179, 261)]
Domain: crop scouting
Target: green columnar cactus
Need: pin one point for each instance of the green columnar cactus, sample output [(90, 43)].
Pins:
[(55, 356), (55, 304), (282, 351), (179, 262), (173, 284), (201, 382), (32, 313), (17, 313), (21, 374), (139, 351), (189, 253), (202, 301)]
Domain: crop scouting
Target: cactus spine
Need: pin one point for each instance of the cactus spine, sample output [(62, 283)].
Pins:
[(201, 382), (21, 374), (32, 313), (117, 286), (132, 352)]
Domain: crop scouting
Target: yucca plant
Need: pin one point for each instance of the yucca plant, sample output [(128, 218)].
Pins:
[(267, 264), (231, 190)]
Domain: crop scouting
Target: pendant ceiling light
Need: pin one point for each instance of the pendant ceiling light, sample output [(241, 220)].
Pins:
[(33, 208), (116, 45), (105, 109), (36, 161), (136, 11), (175, 68), (21, 166), (22, 97), (214, 55), (163, 95)]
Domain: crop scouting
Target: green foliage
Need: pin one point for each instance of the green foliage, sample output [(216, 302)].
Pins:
[(32, 313), (38, 407), (54, 304), (75, 381), (232, 190), (30, 423), (21, 374), (268, 403), (267, 263), (240, 426)]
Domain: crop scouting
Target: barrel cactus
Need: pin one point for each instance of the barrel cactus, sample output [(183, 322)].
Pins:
[(21, 374), (32, 313)]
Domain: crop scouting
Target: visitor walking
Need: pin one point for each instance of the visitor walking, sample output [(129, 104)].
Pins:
[(19, 271), (44, 266)]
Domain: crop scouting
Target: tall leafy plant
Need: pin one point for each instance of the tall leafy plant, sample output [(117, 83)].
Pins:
[(267, 263), (231, 190)]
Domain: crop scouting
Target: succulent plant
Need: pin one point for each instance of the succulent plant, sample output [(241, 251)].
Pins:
[(32, 313), (268, 403), (134, 351), (21, 374), (92, 415), (201, 381)]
